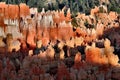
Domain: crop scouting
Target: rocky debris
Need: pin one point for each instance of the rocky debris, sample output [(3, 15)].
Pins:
[(46, 46)]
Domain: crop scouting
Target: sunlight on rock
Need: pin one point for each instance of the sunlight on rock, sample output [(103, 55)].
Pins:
[(59, 44)]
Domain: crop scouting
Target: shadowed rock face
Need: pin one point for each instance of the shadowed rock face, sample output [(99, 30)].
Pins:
[(113, 35), (45, 46)]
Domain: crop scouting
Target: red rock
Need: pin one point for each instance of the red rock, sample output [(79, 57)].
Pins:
[(92, 55), (62, 55), (50, 53), (53, 34), (31, 38), (65, 33), (39, 33), (63, 73), (24, 10), (9, 65), (2, 50), (68, 16), (77, 57), (35, 77), (12, 75), (77, 61), (99, 29), (35, 70), (46, 32), (1, 67), (13, 11), (62, 16), (56, 17), (24, 33), (45, 41), (3, 7), (80, 32), (94, 11), (113, 15), (45, 38)]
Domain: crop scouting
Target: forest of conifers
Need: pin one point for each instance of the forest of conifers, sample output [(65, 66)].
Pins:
[(75, 5)]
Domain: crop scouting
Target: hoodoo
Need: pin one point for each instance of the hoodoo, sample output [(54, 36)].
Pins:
[(58, 45)]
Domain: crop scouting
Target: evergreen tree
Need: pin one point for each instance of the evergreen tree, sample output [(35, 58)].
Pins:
[(75, 5)]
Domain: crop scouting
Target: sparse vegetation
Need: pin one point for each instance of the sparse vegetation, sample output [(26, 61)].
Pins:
[(75, 5)]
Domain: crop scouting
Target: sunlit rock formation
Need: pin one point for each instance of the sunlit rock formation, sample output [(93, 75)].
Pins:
[(112, 59), (12, 44), (50, 45), (101, 56)]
